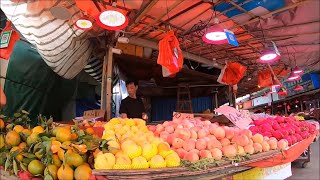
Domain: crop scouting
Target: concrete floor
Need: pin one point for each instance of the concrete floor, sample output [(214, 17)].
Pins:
[(312, 171)]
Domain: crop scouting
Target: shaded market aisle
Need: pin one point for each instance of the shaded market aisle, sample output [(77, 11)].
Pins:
[(311, 172)]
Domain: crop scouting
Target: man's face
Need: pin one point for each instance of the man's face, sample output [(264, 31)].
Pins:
[(132, 89)]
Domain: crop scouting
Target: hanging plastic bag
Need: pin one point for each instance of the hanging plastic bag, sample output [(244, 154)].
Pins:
[(170, 55), (166, 73), (264, 78), (8, 34), (232, 73)]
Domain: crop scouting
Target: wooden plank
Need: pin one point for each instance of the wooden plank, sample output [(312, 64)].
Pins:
[(104, 83), (109, 84)]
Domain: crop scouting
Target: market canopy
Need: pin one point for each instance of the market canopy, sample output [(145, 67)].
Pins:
[(292, 25)]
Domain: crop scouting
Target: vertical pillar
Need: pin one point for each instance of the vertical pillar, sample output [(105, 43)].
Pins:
[(106, 86)]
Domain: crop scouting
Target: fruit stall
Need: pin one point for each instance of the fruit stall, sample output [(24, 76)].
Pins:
[(130, 149), (192, 58)]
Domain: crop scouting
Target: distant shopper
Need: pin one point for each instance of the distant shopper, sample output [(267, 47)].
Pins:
[(132, 106)]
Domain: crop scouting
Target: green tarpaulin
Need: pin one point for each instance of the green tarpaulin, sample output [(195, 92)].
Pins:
[(33, 86)]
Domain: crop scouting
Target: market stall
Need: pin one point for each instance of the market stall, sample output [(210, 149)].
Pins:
[(189, 57)]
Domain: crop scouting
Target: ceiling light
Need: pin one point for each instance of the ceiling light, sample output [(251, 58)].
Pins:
[(112, 20), (268, 56), (83, 23), (297, 70), (293, 77), (298, 88), (215, 34)]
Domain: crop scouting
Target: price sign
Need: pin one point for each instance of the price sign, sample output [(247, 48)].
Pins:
[(180, 116), (240, 119)]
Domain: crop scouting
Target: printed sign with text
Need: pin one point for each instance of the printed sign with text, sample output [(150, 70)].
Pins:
[(240, 119), (180, 116)]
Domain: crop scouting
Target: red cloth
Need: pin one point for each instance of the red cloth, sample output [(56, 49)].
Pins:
[(5, 53), (286, 156), (264, 78), (232, 73)]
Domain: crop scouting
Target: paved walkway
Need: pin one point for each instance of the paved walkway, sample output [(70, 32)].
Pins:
[(312, 171)]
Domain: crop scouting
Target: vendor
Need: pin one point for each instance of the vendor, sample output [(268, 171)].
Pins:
[(3, 99), (132, 106)]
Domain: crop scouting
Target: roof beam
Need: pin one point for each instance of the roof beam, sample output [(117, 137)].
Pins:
[(175, 4), (154, 45)]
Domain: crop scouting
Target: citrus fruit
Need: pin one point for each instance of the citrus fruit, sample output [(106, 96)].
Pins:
[(74, 136), (1, 124), (56, 161), (63, 134), (61, 154), (55, 146), (65, 172), (1, 141), (26, 132), (33, 138), (35, 167), (13, 138), (19, 157), (23, 145), (38, 129), (18, 128), (15, 148), (89, 131), (74, 159), (55, 130), (52, 170), (82, 172)]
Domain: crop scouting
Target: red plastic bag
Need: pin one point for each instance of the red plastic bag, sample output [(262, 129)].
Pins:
[(232, 73), (264, 78), (5, 53), (170, 55)]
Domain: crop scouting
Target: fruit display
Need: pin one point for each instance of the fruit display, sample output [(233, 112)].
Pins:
[(45, 151), (194, 140), (133, 146), (287, 128)]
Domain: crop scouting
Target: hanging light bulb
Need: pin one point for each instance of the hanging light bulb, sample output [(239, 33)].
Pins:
[(297, 70), (298, 88), (293, 77), (215, 34), (84, 23), (112, 19)]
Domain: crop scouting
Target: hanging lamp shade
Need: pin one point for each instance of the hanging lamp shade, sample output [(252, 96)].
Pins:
[(282, 91), (298, 88), (297, 70), (293, 77), (215, 35), (112, 19), (84, 23), (268, 56)]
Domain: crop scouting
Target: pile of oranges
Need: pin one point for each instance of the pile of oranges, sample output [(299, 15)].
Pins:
[(57, 153)]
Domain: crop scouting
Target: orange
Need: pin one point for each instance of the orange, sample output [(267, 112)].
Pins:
[(65, 172), (74, 136), (19, 157), (96, 152), (52, 170), (55, 146), (82, 172), (63, 134), (15, 148), (22, 145), (13, 138), (18, 128), (33, 138), (90, 131), (1, 141), (56, 161), (38, 129), (53, 138), (35, 167), (82, 148), (61, 154), (27, 132), (55, 130), (1, 124), (74, 159)]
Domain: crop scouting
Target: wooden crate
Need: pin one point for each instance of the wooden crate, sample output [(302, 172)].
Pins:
[(224, 169)]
